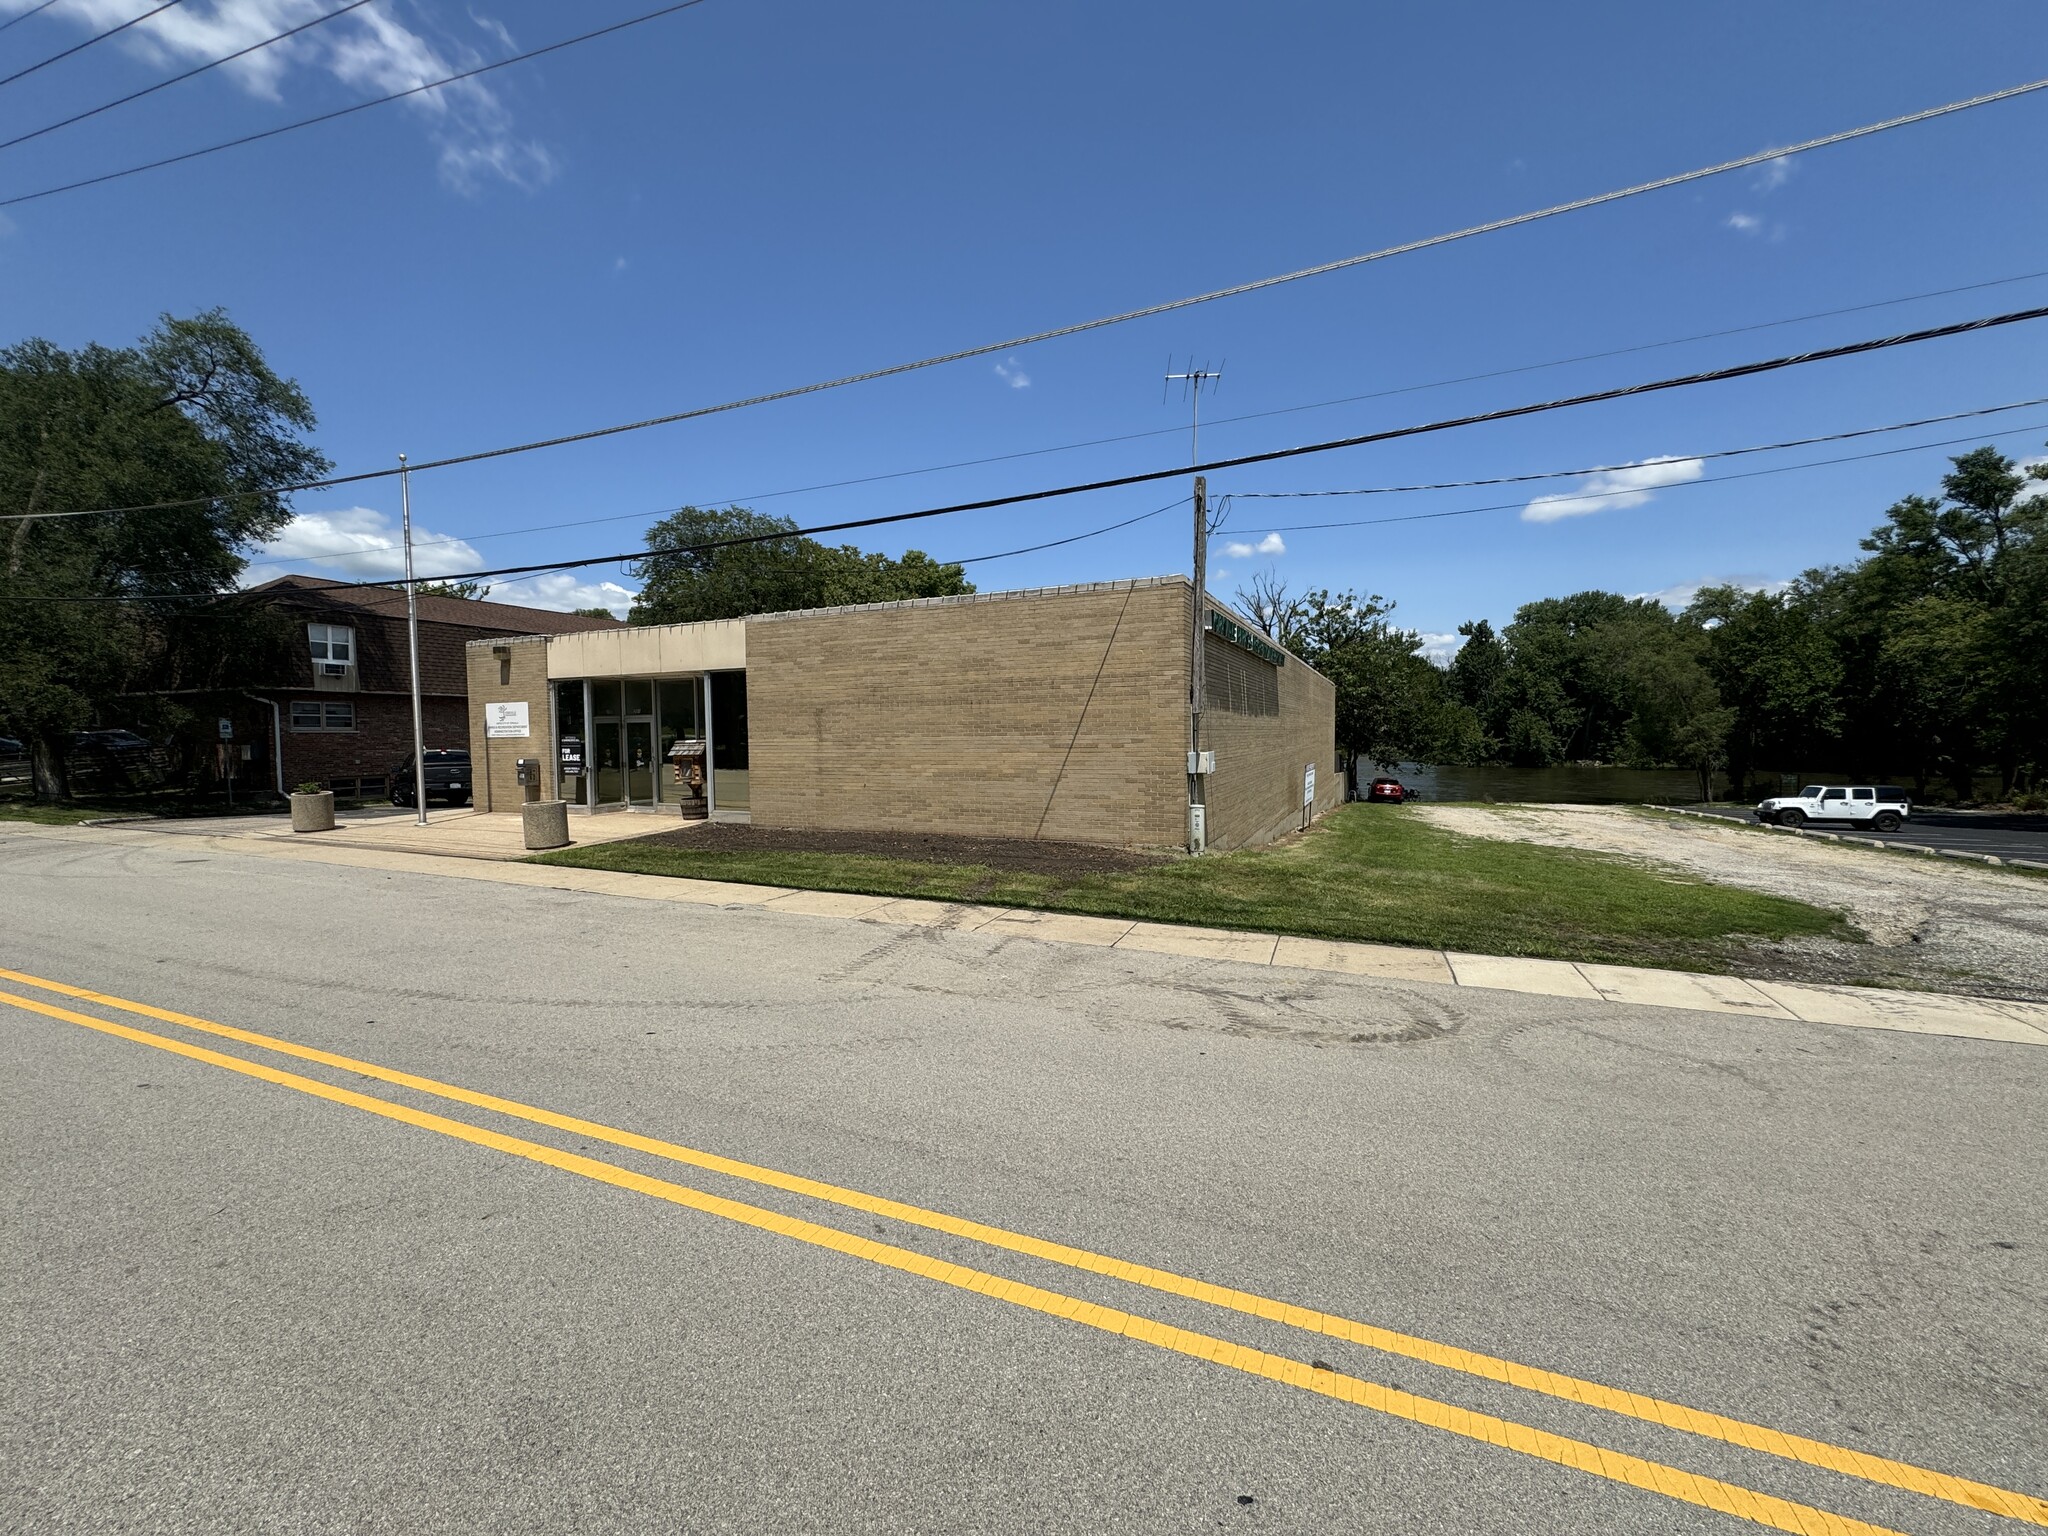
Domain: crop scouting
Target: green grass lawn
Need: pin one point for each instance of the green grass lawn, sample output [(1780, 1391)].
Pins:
[(1375, 873), (50, 815)]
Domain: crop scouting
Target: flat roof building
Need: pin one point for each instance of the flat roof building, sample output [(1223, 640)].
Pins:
[(1056, 712)]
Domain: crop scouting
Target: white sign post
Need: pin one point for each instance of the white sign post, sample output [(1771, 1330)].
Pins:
[(505, 720), (1308, 793)]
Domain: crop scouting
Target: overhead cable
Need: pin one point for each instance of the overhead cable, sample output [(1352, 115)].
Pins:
[(361, 106), (147, 90), (1747, 474), (1082, 326), (1606, 469), (1131, 437), (1376, 490), (34, 10), (1146, 477), (97, 37)]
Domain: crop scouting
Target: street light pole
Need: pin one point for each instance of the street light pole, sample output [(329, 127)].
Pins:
[(412, 635)]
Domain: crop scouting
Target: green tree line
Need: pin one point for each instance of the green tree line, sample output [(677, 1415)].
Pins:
[(1922, 661)]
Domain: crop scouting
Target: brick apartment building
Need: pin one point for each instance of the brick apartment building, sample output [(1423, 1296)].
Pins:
[(1057, 713), (343, 715)]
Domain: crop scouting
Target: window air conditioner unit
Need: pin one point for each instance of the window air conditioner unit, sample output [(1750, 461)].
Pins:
[(334, 669)]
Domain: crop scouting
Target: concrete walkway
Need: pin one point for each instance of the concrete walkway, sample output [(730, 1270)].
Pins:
[(456, 832), (1976, 1018)]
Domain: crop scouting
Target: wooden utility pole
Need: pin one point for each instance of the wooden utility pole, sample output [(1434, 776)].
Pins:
[(1197, 680), (1192, 381)]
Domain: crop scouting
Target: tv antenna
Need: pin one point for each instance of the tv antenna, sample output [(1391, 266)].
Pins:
[(1192, 381)]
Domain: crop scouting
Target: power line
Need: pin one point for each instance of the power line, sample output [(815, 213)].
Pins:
[(1603, 469), (1093, 533), (97, 37), (1126, 437), (1223, 502), (1389, 434), (1061, 331), (1748, 474), (34, 10), (229, 58), (361, 106)]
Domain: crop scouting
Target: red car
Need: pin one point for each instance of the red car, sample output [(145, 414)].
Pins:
[(1392, 791)]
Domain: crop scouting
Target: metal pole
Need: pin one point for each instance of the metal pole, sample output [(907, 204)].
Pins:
[(412, 636), (1197, 679)]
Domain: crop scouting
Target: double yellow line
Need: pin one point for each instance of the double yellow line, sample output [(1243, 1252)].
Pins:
[(1672, 1482)]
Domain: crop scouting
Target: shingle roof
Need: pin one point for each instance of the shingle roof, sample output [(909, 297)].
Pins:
[(469, 613)]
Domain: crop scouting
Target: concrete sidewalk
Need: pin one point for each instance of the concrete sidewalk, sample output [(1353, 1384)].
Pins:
[(1929, 1013), (456, 832)]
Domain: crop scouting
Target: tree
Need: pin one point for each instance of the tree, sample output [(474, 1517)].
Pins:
[(593, 613), (191, 414), (1392, 704), (1268, 606), (777, 570)]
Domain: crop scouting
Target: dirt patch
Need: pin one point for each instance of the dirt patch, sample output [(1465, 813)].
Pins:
[(1011, 855), (1932, 923)]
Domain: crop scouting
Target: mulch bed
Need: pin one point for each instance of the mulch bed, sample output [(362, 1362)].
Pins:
[(1003, 853)]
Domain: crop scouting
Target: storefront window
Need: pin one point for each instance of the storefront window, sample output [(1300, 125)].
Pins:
[(571, 733), (607, 751), (729, 740), (679, 728)]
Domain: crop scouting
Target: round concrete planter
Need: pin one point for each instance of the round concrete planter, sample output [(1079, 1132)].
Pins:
[(313, 813), (546, 823)]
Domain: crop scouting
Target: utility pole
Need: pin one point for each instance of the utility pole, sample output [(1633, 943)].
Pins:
[(412, 635), (1198, 793)]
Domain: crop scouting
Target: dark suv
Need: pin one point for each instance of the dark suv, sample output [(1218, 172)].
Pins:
[(447, 778)]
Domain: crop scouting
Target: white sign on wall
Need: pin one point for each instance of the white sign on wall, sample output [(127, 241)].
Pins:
[(1308, 785), (505, 720)]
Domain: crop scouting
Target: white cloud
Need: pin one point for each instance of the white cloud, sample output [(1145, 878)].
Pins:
[(1681, 593), (366, 50), (1745, 223), (1438, 647), (361, 544), (1012, 373), (1612, 489), (1271, 544), (1774, 173), (563, 593)]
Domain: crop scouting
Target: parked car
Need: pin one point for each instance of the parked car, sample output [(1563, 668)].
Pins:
[(447, 778), (1388, 791), (1881, 807), (115, 759)]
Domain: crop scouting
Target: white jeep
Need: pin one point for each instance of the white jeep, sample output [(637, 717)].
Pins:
[(1883, 807)]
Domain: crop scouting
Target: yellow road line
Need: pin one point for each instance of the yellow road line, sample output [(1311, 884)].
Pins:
[(1757, 1437), (1598, 1461)]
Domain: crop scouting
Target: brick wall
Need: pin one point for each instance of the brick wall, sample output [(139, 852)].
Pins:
[(381, 739), (1059, 714), (1254, 795), (521, 675)]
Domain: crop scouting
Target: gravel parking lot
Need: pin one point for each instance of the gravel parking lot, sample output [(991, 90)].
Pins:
[(1930, 923)]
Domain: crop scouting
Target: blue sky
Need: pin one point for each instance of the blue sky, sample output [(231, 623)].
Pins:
[(760, 193)]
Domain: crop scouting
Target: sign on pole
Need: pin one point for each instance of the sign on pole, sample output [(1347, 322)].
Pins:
[(227, 730)]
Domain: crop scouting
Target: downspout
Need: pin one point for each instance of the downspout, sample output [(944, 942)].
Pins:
[(276, 740)]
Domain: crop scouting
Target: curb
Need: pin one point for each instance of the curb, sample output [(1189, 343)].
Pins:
[(1860, 841)]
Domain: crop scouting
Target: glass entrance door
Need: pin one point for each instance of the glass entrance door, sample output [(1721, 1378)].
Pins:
[(640, 764)]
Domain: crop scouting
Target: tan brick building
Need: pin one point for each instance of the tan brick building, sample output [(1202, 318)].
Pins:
[(1057, 712)]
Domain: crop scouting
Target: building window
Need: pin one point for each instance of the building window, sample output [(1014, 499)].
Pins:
[(323, 715), (332, 643)]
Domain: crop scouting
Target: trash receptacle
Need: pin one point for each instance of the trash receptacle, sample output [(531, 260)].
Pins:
[(546, 823)]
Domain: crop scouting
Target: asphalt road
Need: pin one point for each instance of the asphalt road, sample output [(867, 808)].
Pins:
[(256, 1292), (2007, 836)]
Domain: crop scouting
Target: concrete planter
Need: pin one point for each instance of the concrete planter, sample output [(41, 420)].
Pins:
[(546, 823), (313, 813)]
